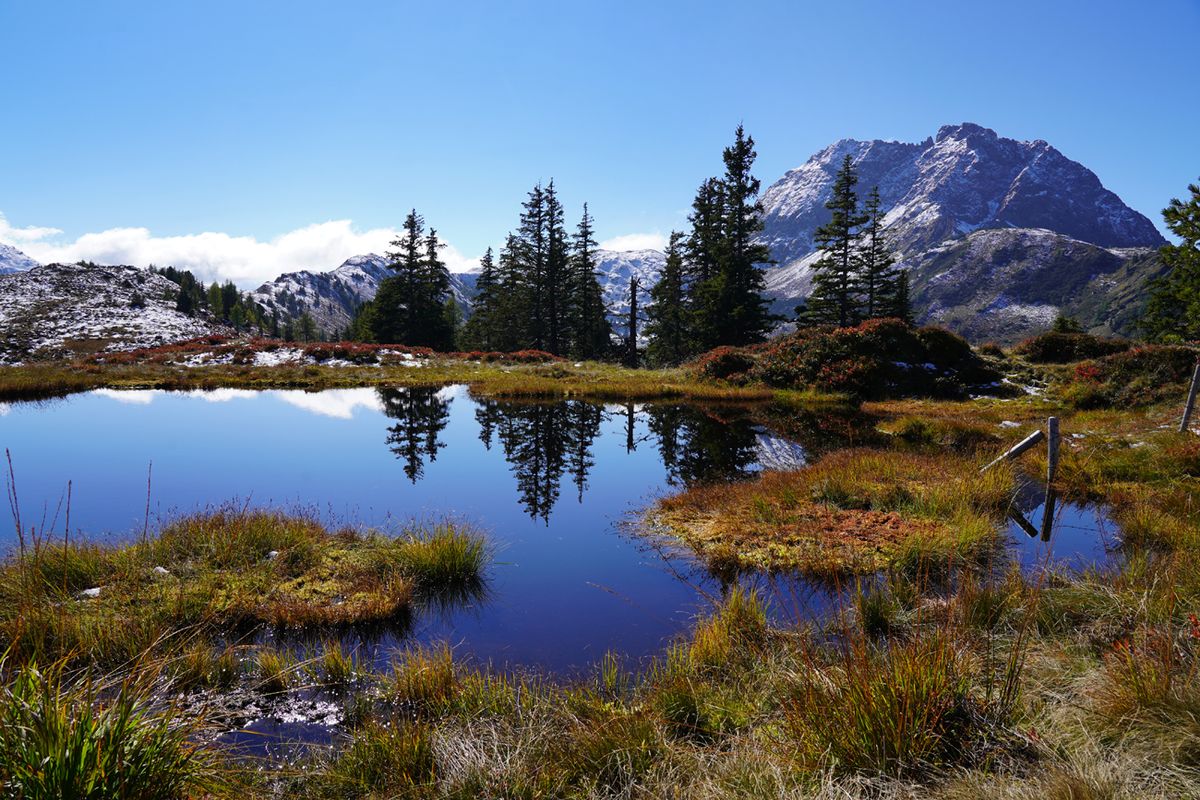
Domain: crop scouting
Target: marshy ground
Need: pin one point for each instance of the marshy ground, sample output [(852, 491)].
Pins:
[(947, 672)]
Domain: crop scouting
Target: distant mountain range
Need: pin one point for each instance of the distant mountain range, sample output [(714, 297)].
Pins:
[(999, 236)]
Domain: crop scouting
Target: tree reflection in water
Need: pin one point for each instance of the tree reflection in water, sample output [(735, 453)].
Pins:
[(544, 442)]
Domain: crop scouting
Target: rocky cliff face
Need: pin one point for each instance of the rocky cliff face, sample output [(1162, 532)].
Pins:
[(939, 193)]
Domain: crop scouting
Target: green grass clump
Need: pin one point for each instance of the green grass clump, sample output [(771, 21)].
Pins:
[(424, 681), (89, 740), (883, 709)]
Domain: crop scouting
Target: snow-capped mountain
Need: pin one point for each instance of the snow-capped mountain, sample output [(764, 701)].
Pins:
[(939, 193), (70, 309), (13, 260), (614, 268), (332, 297)]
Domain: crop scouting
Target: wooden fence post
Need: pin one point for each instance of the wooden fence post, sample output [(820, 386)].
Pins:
[(1191, 400), (1020, 447), (1052, 444)]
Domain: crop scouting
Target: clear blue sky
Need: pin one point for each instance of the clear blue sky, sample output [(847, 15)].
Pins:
[(257, 118)]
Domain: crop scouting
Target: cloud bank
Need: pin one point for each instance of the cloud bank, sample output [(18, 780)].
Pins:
[(245, 260)]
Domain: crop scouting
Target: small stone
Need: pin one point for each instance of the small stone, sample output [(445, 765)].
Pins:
[(161, 571), (274, 554), (1008, 423), (88, 594)]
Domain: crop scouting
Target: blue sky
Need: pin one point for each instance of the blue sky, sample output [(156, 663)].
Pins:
[(293, 132)]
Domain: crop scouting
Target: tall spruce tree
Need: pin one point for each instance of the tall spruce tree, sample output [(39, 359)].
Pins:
[(878, 278), (668, 323), (1173, 311), (478, 332), (835, 292), (556, 290), (530, 258), (590, 332), (744, 316), (705, 254)]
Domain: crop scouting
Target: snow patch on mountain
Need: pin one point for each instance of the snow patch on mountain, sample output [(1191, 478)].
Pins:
[(13, 260), (61, 310), (332, 297)]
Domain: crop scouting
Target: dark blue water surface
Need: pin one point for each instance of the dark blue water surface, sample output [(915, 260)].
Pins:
[(552, 485)]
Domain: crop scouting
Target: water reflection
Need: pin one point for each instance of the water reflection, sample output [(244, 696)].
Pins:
[(545, 442)]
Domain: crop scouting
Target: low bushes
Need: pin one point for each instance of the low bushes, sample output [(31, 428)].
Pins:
[(878, 359), (1140, 376), (1064, 348)]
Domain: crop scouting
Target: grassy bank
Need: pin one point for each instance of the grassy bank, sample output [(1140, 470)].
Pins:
[(222, 573)]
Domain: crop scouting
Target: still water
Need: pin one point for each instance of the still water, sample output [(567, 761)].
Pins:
[(553, 485)]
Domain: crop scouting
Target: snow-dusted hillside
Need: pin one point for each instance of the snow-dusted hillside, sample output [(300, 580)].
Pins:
[(13, 260), (940, 192), (332, 297), (614, 268), (64, 309)]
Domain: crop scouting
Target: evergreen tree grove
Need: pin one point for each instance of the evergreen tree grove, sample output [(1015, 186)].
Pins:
[(409, 307)]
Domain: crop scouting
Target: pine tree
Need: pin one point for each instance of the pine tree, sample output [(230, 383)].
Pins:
[(668, 323), (590, 331), (877, 277), (834, 297), (744, 316), (1173, 311)]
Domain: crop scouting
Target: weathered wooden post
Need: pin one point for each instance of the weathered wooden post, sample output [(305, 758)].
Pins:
[(1190, 405), (1052, 443), (1016, 450)]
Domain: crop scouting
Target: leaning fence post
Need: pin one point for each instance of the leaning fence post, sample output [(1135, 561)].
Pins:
[(1051, 449), (1016, 450), (1191, 400)]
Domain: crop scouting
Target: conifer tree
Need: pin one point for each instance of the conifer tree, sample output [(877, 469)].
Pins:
[(590, 333), (668, 316), (1173, 311), (877, 277), (744, 316), (409, 307), (835, 290), (556, 289), (478, 332), (705, 248), (530, 259)]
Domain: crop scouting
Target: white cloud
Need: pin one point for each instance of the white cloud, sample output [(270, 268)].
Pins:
[(15, 236), (245, 260), (636, 241), (137, 397), (336, 403)]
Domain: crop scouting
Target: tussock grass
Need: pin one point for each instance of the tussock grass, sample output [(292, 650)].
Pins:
[(853, 511), (87, 738), (224, 571)]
